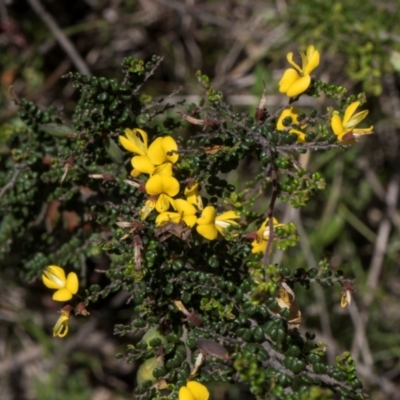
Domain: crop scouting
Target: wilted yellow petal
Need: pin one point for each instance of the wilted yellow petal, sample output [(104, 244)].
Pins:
[(147, 209), (61, 327)]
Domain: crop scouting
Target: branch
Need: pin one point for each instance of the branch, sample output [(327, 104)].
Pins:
[(11, 183), (60, 36)]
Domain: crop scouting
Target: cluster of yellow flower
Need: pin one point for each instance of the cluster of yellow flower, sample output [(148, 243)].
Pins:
[(296, 81), (157, 160)]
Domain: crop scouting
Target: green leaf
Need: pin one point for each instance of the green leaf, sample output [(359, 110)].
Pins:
[(58, 130)]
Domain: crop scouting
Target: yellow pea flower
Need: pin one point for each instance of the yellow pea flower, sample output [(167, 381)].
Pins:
[(185, 212), (54, 278), (297, 80), (192, 195), (193, 391), (148, 157), (261, 242), (345, 129), (61, 327), (163, 186), (209, 224), (292, 112)]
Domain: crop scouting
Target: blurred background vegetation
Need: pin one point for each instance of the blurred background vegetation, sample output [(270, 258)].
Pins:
[(242, 46)]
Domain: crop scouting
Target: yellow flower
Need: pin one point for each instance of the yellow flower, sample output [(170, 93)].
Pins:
[(192, 195), (163, 186), (149, 157), (61, 327), (208, 225), (193, 391), (345, 129), (296, 80), (260, 244), (185, 212), (54, 278), (292, 112)]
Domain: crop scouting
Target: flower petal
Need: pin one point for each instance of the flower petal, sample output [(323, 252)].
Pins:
[(312, 57), (158, 184), (289, 77), (363, 131), (356, 119), (192, 195), (135, 173), (185, 394), (190, 220), (184, 207), (165, 217), (227, 215), (336, 124), (292, 112), (142, 164), (72, 283), (207, 216), (61, 327), (62, 295), (209, 231), (154, 186), (299, 87), (138, 139), (147, 208), (297, 68), (350, 110), (163, 169), (170, 185), (199, 391), (301, 136), (163, 203), (169, 144), (258, 247), (156, 152), (54, 277)]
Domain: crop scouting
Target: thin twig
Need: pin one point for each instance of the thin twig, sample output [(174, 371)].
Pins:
[(319, 294), (62, 39), (11, 183)]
